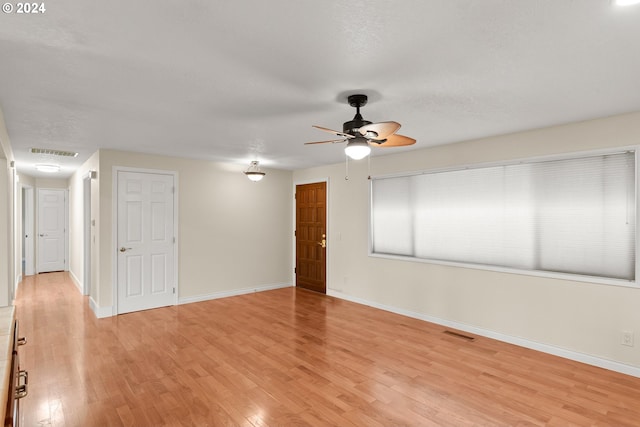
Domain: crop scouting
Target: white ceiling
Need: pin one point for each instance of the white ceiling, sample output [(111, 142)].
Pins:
[(238, 80)]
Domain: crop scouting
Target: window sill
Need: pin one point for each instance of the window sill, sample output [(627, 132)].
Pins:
[(498, 269)]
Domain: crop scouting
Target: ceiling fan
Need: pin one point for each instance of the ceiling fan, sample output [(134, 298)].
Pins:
[(359, 134)]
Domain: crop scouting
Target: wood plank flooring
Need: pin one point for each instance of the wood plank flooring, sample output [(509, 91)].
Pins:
[(291, 358)]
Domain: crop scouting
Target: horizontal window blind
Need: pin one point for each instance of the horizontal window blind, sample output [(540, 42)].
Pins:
[(571, 216)]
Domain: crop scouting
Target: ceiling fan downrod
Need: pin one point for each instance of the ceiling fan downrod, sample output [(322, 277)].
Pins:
[(351, 127)]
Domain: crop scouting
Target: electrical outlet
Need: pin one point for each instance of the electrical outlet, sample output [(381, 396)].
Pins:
[(627, 338)]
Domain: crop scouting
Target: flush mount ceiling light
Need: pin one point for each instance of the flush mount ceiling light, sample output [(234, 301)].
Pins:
[(626, 2), (47, 168), (254, 173)]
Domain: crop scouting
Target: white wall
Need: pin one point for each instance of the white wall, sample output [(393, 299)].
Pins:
[(76, 222), (24, 181), (5, 247), (582, 318), (52, 183), (27, 180), (7, 259), (233, 234)]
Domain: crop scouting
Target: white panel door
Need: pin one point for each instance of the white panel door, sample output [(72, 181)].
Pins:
[(51, 230), (145, 251)]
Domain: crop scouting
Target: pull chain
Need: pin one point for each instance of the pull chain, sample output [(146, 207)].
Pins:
[(346, 177)]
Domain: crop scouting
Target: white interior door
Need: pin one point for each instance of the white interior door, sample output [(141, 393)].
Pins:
[(51, 230), (145, 229)]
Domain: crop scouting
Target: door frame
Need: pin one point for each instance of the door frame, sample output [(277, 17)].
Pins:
[(28, 225), (328, 231), (86, 231), (114, 229), (37, 227)]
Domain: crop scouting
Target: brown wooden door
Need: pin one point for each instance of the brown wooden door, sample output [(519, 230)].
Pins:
[(311, 229)]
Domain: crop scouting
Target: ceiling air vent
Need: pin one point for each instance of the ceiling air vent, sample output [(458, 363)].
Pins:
[(53, 152)]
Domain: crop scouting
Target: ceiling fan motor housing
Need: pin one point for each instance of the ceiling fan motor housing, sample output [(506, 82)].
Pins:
[(351, 127)]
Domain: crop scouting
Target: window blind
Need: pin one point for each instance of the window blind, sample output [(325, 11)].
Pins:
[(571, 216)]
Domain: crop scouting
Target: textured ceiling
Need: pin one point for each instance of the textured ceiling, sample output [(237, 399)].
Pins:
[(241, 80)]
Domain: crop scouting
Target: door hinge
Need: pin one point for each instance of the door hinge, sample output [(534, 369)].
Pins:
[(174, 240), (295, 232), (295, 270), (174, 291)]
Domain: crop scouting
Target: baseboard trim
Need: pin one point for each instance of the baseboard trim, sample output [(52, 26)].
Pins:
[(232, 293), (545, 348), (76, 281), (100, 312)]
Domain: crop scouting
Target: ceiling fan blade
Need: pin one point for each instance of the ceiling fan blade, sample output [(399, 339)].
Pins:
[(395, 141), (380, 130), (333, 141), (335, 132)]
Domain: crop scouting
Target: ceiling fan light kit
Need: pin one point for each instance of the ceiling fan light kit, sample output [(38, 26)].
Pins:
[(357, 148), (359, 133)]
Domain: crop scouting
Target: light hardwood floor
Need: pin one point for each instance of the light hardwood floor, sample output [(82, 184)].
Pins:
[(290, 358)]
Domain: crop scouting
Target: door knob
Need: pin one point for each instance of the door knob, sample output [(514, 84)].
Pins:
[(323, 243), (43, 234), (123, 249)]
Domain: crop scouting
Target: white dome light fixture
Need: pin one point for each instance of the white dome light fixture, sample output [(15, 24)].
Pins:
[(254, 173), (357, 148)]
